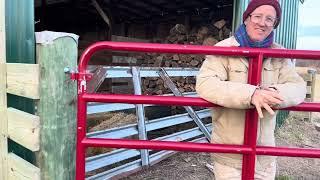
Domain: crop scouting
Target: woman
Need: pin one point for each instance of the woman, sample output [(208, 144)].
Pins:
[(223, 81)]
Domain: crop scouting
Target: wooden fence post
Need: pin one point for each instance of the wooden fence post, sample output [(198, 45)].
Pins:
[(57, 108), (316, 91), (316, 88), (309, 75), (3, 97)]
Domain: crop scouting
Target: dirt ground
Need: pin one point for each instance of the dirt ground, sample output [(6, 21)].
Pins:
[(295, 132)]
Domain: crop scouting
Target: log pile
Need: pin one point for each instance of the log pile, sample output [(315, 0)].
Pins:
[(205, 35), (156, 86)]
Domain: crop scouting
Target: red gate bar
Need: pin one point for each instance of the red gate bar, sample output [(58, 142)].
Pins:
[(290, 152), (166, 145), (249, 149), (200, 147), (192, 49), (251, 121), (173, 100)]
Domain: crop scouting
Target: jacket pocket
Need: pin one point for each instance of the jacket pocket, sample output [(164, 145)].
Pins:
[(238, 72), (270, 74)]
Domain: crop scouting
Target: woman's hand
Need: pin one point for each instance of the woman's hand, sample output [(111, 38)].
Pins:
[(266, 98)]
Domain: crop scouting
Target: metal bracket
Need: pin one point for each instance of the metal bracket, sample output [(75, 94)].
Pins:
[(74, 75), (165, 77)]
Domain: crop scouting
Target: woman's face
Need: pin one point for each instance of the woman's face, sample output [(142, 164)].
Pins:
[(260, 22)]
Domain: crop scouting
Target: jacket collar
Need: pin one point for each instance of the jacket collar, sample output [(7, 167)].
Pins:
[(234, 43)]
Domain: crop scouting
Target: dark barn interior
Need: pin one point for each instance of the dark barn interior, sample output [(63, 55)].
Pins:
[(150, 20), (199, 22)]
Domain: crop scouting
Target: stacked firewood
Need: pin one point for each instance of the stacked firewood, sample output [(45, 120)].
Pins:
[(204, 35), (208, 34), (156, 86), (170, 60)]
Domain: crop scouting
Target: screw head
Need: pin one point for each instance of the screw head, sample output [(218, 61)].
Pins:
[(66, 70)]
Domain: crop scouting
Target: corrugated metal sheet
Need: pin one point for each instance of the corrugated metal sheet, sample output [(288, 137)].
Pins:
[(20, 40), (286, 33), (239, 6)]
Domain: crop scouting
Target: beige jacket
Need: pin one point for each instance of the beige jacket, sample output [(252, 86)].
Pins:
[(223, 80)]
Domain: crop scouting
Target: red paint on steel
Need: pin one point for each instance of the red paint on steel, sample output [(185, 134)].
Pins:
[(81, 131), (290, 152), (249, 149), (192, 49), (251, 124), (173, 100), (165, 145)]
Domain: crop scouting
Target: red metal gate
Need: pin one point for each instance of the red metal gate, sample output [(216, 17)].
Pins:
[(249, 149)]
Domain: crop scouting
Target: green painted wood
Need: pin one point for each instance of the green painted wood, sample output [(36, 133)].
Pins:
[(57, 109), (20, 48)]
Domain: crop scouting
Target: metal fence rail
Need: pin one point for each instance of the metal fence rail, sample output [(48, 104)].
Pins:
[(130, 130), (136, 165), (126, 72), (96, 162), (99, 161), (94, 108), (249, 150)]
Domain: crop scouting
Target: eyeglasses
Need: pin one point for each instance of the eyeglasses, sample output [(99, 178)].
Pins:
[(268, 21)]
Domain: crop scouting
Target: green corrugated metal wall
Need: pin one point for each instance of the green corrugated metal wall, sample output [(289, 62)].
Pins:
[(285, 34), (239, 7), (20, 31), (20, 48)]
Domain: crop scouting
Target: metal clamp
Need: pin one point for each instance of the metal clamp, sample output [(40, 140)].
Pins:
[(75, 75)]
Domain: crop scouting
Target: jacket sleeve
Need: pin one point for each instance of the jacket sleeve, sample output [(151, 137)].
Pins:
[(290, 85), (212, 85)]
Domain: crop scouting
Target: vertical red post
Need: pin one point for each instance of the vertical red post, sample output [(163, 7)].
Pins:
[(251, 121), (81, 128)]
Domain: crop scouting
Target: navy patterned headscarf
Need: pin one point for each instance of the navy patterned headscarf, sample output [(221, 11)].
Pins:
[(244, 40)]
